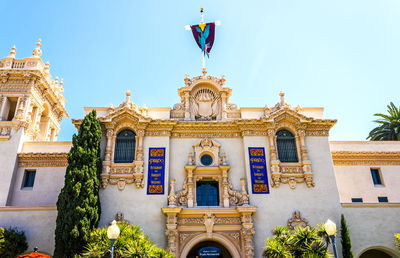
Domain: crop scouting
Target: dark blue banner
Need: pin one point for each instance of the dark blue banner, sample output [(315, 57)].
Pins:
[(156, 171), (258, 170)]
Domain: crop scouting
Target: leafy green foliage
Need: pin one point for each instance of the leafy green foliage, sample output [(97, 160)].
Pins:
[(345, 239), (12, 242), (389, 125), (305, 242), (397, 240), (78, 203), (132, 242)]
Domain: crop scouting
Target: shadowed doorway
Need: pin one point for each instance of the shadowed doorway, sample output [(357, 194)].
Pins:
[(194, 252)]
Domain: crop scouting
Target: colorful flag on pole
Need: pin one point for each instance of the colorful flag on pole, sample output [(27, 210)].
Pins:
[(204, 35)]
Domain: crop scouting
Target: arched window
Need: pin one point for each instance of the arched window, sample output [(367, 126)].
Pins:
[(125, 147), (286, 143), (207, 193)]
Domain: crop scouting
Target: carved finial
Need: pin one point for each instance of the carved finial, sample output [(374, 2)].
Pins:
[(46, 68), (222, 80), (204, 71), (37, 52), (190, 159), (187, 79), (282, 95), (12, 52), (128, 96), (223, 158)]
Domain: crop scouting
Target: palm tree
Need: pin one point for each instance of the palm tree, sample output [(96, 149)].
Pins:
[(389, 129)]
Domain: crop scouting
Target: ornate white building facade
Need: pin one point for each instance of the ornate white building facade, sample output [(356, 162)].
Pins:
[(204, 173)]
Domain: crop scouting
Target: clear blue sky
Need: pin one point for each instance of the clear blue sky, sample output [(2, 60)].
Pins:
[(342, 55)]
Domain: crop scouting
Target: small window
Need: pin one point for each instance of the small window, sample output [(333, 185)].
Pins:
[(383, 199), (206, 160), (125, 147), (286, 143), (356, 200), (207, 193), (29, 178), (376, 176)]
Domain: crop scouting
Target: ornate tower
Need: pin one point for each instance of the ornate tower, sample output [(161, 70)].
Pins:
[(31, 109), (30, 98)]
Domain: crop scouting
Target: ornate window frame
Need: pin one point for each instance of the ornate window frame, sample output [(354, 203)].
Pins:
[(217, 171), (289, 172), (121, 174)]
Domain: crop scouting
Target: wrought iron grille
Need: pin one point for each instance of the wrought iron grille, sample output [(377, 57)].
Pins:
[(286, 143), (125, 147), (207, 193)]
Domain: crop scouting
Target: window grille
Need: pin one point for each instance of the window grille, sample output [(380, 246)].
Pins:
[(207, 193), (125, 147), (287, 150)]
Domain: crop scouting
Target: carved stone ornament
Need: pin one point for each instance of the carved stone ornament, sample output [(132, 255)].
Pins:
[(296, 221), (204, 98), (209, 221), (216, 171)]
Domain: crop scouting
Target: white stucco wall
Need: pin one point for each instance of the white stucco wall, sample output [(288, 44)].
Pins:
[(138, 207), (372, 227), (8, 163), (356, 182), (47, 185), (371, 146), (46, 147), (38, 225), (316, 204)]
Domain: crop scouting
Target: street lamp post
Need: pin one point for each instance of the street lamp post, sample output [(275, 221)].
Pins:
[(330, 228), (112, 234)]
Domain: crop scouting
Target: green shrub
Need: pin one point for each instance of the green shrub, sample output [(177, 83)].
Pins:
[(305, 242), (345, 239), (132, 242), (12, 242)]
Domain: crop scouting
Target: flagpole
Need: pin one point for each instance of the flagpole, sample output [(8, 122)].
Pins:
[(203, 61)]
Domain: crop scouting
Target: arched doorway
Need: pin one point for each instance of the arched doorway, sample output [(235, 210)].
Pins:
[(376, 253), (201, 247)]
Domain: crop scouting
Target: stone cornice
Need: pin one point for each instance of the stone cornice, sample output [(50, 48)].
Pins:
[(28, 208), (351, 158), (371, 205), (220, 129), (42, 160)]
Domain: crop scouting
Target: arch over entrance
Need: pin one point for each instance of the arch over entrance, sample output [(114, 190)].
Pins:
[(221, 240), (377, 252)]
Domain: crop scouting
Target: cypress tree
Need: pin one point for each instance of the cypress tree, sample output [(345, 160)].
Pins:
[(345, 239), (78, 204)]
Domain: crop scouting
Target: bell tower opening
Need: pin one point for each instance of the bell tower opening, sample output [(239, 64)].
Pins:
[(209, 249)]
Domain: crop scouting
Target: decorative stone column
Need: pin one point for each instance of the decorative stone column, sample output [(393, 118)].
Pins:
[(109, 135), (225, 185), (172, 232), (223, 103), (139, 140), (3, 100), (247, 230), (275, 169), (172, 196), (308, 176), (187, 106), (190, 185)]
